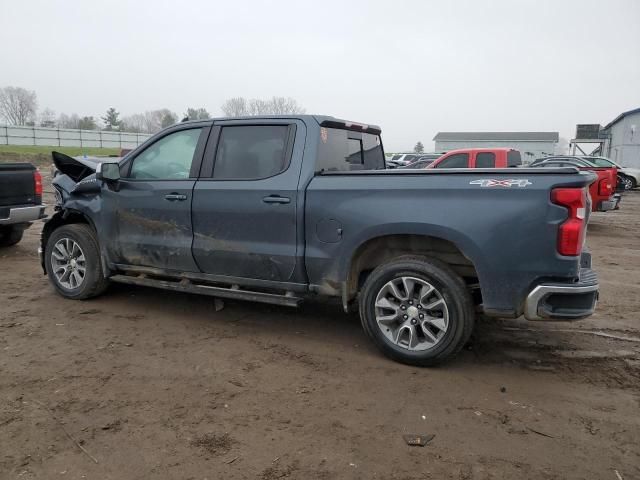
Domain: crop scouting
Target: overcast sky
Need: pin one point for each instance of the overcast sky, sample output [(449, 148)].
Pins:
[(413, 67)]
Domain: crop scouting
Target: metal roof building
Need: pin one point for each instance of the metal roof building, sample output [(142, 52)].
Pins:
[(532, 145), (624, 139)]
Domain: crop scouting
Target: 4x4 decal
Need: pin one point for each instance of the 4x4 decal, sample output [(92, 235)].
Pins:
[(510, 182)]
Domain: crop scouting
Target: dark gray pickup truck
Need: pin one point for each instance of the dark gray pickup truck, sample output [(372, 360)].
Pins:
[(20, 200), (281, 209)]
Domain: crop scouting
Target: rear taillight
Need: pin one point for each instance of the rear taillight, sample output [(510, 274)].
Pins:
[(571, 231), (37, 183), (604, 187)]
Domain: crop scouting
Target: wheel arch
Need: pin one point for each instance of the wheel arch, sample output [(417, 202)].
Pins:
[(59, 219), (374, 250)]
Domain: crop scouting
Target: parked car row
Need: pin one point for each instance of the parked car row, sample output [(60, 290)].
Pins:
[(611, 177)]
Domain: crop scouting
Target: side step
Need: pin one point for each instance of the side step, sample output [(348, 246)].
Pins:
[(221, 292)]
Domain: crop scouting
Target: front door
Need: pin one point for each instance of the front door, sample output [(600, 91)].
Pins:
[(150, 207), (245, 213)]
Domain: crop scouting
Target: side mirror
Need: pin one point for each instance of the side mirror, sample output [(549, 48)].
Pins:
[(109, 172)]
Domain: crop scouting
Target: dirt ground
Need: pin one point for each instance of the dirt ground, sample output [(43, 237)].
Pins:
[(143, 383)]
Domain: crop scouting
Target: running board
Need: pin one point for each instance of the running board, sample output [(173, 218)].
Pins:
[(229, 292)]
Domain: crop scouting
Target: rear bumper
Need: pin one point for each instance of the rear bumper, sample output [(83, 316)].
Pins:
[(610, 204), (564, 301), (23, 215)]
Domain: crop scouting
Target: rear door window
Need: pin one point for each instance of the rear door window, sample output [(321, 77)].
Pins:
[(514, 159), (486, 160), (457, 160), (251, 152)]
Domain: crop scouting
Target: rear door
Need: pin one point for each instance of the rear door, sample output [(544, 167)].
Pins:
[(147, 215), (245, 203)]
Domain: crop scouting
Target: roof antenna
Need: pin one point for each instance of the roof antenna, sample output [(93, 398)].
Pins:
[(185, 119)]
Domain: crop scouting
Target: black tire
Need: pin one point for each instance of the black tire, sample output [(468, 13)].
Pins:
[(94, 282), (10, 235), (453, 291), (628, 183)]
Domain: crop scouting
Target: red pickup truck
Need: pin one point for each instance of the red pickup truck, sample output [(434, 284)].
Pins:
[(601, 191), (479, 158)]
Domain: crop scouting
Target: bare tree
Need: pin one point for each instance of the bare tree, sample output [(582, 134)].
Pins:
[(17, 105), (258, 107), (134, 123), (285, 106), (68, 121), (239, 106), (197, 114), (48, 118), (235, 107)]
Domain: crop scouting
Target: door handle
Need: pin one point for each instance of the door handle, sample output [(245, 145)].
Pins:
[(172, 197), (276, 199)]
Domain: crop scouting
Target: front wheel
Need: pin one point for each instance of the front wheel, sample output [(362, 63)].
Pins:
[(417, 310), (72, 260)]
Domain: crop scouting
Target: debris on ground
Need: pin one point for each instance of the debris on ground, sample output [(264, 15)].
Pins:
[(421, 440)]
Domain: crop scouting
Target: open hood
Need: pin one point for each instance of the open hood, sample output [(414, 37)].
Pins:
[(79, 167)]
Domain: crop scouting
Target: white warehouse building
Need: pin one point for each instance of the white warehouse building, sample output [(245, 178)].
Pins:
[(624, 139), (532, 145)]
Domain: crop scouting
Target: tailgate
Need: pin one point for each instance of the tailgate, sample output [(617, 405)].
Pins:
[(16, 184)]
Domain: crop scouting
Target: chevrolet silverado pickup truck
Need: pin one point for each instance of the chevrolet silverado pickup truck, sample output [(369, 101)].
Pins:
[(285, 208), (20, 200)]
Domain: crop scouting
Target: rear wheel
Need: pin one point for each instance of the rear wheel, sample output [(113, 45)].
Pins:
[(10, 235), (72, 260), (627, 182), (417, 310)]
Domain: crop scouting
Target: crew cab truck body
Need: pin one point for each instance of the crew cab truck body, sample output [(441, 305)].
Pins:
[(20, 200), (280, 209)]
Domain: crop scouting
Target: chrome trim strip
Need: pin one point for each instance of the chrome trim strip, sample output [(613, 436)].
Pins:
[(539, 292), (23, 215)]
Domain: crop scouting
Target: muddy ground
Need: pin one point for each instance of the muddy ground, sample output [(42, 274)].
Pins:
[(142, 383)]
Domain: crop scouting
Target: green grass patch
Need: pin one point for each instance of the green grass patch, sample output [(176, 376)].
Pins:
[(40, 156), (71, 151)]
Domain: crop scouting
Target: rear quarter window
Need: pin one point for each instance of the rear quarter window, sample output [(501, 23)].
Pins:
[(344, 150), (514, 159)]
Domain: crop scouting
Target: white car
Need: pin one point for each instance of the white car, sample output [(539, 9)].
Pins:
[(632, 173)]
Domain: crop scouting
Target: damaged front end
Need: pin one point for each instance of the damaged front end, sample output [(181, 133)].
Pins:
[(76, 192)]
